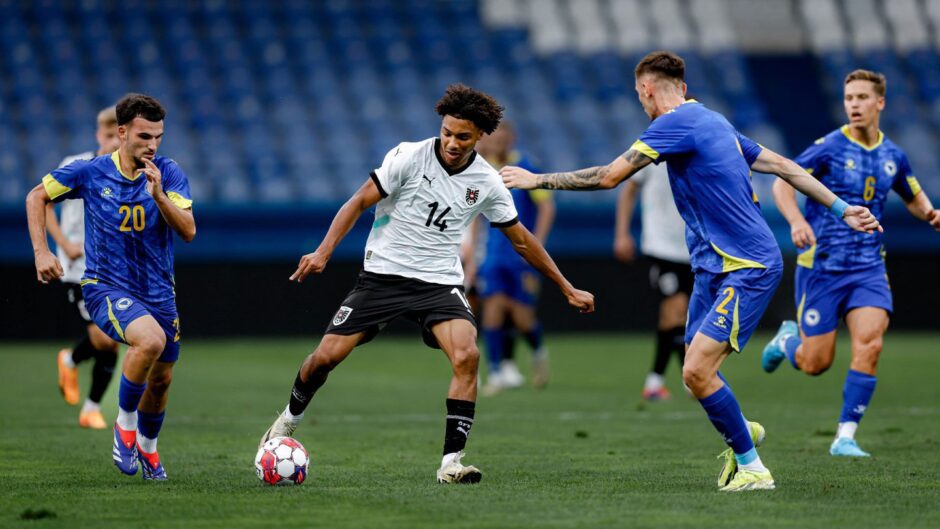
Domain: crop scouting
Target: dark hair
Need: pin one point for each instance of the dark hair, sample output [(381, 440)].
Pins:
[(139, 105), (463, 102), (662, 63), (877, 79)]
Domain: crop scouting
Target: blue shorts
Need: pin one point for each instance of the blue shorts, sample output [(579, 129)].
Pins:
[(823, 297), (519, 282), (728, 306), (113, 309)]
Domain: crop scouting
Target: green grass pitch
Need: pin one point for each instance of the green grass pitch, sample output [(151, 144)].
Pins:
[(582, 453)]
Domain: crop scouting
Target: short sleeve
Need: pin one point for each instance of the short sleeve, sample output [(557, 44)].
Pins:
[(500, 209), (66, 182), (815, 159), (176, 185), (750, 149), (389, 176), (905, 183), (667, 135)]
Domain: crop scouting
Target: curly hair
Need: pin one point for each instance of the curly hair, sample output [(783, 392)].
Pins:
[(139, 105), (662, 63), (463, 102)]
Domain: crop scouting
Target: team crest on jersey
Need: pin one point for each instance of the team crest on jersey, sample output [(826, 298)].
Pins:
[(811, 317), (123, 303), (891, 168), (473, 194), (342, 315), (107, 193), (850, 164)]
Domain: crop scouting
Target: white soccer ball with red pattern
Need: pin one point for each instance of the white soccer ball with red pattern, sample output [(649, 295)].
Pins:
[(282, 461)]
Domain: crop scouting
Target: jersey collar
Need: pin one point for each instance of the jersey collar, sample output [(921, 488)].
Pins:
[(116, 158), (848, 135), (451, 172)]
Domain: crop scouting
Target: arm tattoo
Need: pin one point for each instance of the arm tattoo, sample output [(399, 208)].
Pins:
[(636, 159), (584, 179)]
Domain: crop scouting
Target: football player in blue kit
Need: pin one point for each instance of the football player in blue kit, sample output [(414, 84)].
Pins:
[(734, 256), (841, 273), (508, 285), (134, 202)]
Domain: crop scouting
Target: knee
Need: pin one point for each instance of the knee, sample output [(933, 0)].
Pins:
[(466, 359), (152, 343), (865, 354), (159, 383), (694, 377), (814, 367)]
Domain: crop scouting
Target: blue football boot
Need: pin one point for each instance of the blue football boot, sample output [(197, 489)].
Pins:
[(773, 352), (124, 451)]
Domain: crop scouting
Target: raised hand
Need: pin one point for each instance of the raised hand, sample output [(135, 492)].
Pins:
[(154, 177), (518, 178)]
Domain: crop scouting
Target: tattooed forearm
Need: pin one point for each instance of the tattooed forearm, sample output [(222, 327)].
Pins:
[(589, 178), (636, 158)]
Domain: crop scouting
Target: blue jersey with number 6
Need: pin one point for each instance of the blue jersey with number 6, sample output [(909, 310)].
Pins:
[(862, 176), (128, 244)]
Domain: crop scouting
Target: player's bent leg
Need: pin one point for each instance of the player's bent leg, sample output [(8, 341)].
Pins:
[(457, 338), (151, 412), (867, 326), (775, 351), (316, 367), (526, 321), (816, 354), (700, 374), (147, 341)]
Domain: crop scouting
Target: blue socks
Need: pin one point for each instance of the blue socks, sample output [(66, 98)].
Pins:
[(856, 394), (494, 339), (725, 413), (149, 424), (790, 345), (129, 394)]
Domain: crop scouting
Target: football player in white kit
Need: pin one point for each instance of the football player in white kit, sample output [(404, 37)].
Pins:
[(426, 194), (663, 242), (69, 236)]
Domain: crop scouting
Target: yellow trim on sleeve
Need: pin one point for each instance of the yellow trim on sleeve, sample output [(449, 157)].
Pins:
[(53, 187), (847, 134), (179, 200), (732, 263), (645, 149), (809, 170), (114, 320), (735, 326), (807, 258), (914, 185), (88, 282)]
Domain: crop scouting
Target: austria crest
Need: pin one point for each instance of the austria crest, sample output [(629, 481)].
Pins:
[(473, 194), (341, 315)]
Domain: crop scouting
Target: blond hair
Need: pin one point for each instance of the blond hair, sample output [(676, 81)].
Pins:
[(107, 117), (876, 79)]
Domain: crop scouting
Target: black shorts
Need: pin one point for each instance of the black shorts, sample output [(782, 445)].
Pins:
[(73, 292), (377, 299), (670, 278)]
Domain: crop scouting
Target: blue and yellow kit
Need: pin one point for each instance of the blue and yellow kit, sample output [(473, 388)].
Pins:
[(845, 269), (503, 270), (128, 244), (734, 255)]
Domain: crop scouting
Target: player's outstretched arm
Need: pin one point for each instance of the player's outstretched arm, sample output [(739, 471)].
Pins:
[(534, 253), (48, 267), (624, 245), (857, 217), (181, 220), (314, 263), (800, 230), (599, 177), (921, 208)]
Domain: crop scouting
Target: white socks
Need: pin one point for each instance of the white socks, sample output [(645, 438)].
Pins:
[(654, 382), (90, 406), (293, 419), (754, 466), (147, 446), (127, 420), (67, 360), (847, 429)]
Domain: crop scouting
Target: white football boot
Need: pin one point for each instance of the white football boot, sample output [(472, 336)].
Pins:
[(452, 471)]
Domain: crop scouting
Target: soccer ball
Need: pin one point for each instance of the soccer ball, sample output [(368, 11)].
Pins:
[(282, 461)]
